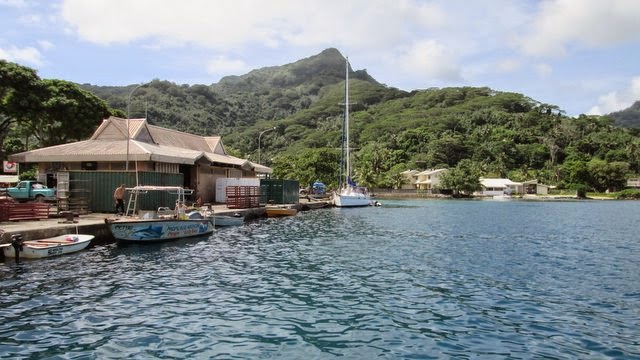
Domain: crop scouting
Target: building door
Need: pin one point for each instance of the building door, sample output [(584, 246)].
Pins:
[(51, 181), (185, 170)]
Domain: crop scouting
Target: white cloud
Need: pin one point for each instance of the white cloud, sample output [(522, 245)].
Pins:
[(508, 65), (30, 19), (543, 70), (405, 43), (224, 24), (617, 100), (594, 23), (414, 37), (14, 3), (430, 59), (45, 45), (29, 55), (222, 65)]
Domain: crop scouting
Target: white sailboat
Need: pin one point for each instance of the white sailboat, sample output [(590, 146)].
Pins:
[(349, 194)]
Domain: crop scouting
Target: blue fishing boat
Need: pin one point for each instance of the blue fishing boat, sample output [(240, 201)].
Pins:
[(161, 225)]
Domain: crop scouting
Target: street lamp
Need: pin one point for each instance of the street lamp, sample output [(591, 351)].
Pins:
[(259, 136), (129, 116)]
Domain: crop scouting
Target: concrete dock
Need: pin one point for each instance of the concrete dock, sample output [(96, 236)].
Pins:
[(94, 223)]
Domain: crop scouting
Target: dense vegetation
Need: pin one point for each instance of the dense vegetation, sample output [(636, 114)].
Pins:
[(472, 131), (38, 112), (629, 117), (236, 102)]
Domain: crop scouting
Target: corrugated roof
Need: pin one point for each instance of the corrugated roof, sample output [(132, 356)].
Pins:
[(115, 128), (431, 172), (178, 139), (410, 172), (261, 168), (497, 183), (148, 143), (215, 144)]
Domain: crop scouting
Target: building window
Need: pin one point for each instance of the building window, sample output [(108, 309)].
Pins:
[(89, 165)]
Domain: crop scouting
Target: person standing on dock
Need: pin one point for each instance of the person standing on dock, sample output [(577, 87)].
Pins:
[(118, 196)]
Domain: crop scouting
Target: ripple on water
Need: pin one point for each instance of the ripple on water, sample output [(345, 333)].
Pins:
[(413, 279)]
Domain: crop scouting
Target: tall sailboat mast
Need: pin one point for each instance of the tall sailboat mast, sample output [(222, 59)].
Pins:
[(346, 121), (349, 195)]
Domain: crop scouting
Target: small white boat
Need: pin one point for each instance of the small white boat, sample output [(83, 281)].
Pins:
[(42, 248), (225, 220)]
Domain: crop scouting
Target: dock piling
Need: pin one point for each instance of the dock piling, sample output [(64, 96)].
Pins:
[(17, 242)]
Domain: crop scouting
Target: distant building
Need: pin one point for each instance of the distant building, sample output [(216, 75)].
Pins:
[(533, 187), (633, 183), (429, 179), (499, 187), (410, 178), (422, 180)]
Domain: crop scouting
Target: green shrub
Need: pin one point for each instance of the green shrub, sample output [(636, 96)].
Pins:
[(581, 190), (628, 194), (29, 174)]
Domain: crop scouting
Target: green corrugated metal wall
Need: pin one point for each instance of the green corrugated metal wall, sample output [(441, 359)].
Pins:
[(279, 191), (101, 185)]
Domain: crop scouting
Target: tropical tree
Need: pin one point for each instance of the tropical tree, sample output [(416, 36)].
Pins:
[(395, 179), (50, 111), (608, 176), (68, 114), (308, 166), (20, 97), (447, 150), (574, 172), (464, 178), (372, 164)]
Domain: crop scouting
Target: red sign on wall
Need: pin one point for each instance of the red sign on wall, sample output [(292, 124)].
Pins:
[(9, 167)]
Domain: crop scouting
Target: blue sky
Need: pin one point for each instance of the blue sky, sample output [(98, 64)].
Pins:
[(581, 55)]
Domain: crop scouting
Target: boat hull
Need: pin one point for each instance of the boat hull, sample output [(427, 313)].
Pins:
[(280, 212), (43, 248), (351, 199), (220, 220), (159, 229)]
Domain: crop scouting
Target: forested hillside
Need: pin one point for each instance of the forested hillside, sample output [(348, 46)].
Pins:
[(471, 130), (629, 117), (482, 131), (267, 94)]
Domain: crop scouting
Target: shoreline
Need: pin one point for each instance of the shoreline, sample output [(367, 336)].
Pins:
[(387, 195)]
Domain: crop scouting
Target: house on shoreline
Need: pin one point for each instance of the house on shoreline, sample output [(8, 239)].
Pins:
[(500, 187), (427, 180), (127, 150)]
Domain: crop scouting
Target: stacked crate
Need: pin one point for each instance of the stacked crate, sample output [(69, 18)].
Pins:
[(10, 211), (242, 197)]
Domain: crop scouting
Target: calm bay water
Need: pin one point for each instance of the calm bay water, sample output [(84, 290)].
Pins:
[(409, 280)]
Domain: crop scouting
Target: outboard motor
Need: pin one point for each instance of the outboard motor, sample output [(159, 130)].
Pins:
[(17, 242)]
